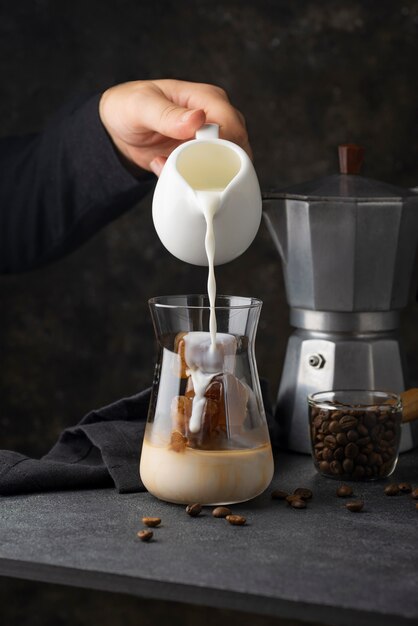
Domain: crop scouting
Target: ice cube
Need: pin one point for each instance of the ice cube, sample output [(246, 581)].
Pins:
[(180, 347), (181, 410)]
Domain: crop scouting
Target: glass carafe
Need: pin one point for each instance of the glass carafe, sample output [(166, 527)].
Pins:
[(206, 438)]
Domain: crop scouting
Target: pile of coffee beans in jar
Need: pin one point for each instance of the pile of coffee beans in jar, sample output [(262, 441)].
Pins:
[(355, 443)]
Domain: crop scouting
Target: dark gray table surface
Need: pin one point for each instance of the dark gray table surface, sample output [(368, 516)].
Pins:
[(319, 564)]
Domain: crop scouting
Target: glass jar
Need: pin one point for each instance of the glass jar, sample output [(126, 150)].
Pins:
[(206, 438), (355, 434)]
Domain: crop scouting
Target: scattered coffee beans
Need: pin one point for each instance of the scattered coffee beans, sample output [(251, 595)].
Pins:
[(414, 493), (344, 491), (236, 520), (278, 494), (145, 535), (405, 487), (194, 509), (151, 521), (298, 503), (355, 443), (392, 489), (303, 493), (355, 506), (221, 511), (292, 497)]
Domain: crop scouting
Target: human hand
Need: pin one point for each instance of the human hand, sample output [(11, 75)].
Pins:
[(148, 119)]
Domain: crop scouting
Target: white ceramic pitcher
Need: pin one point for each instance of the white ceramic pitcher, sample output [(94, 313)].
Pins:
[(207, 163)]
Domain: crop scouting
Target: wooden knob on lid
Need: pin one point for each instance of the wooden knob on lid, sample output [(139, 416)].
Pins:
[(351, 158)]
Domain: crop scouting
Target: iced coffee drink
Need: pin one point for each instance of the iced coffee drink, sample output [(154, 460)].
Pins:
[(206, 438)]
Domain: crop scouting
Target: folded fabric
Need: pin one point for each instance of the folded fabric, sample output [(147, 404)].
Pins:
[(101, 451)]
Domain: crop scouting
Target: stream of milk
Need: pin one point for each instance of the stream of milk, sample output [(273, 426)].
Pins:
[(206, 361), (209, 201)]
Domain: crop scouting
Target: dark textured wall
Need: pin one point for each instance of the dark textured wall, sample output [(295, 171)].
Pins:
[(307, 75)]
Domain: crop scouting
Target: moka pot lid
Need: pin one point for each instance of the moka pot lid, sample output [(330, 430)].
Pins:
[(348, 186)]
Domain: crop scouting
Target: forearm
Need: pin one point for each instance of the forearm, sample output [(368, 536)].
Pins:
[(59, 187)]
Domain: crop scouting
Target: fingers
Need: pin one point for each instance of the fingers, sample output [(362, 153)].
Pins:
[(160, 114), (214, 102)]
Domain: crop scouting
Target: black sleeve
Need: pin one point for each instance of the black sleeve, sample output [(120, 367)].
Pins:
[(59, 187)]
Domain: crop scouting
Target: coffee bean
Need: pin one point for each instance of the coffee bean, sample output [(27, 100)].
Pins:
[(236, 520), (330, 442), (151, 521), (317, 422), (304, 493), (145, 535), (298, 504), (278, 494), (351, 450), (347, 422), (416, 506), (335, 467), (292, 498), (342, 439), (373, 459), (334, 427), (370, 420), (358, 472), (324, 467), (221, 511), (363, 441), (352, 435), (414, 493), (327, 454), (339, 454), (343, 491), (362, 430), (392, 489), (355, 506), (194, 509), (348, 465), (376, 431), (361, 459), (389, 435), (405, 487)]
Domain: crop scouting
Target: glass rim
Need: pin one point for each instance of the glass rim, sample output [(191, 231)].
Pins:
[(248, 302), (315, 400)]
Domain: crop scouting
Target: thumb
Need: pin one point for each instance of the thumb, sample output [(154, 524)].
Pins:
[(163, 116)]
